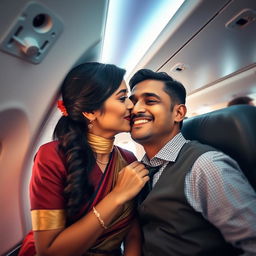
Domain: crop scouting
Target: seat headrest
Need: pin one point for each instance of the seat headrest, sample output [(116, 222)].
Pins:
[(231, 130)]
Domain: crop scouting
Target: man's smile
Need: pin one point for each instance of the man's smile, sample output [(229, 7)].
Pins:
[(140, 120)]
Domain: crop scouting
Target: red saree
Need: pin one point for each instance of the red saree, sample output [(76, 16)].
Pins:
[(46, 195)]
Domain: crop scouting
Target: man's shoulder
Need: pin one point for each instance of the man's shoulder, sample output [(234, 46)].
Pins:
[(214, 163), (199, 145)]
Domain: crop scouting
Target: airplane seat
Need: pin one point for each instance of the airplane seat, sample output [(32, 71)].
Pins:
[(231, 130)]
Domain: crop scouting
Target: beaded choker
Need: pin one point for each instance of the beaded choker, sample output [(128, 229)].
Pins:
[(99, 144)]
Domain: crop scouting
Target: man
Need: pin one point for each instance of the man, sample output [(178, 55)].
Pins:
[(200, 203), (243, 100)]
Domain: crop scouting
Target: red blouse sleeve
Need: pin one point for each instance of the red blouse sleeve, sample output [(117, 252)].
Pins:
[(48, 179)]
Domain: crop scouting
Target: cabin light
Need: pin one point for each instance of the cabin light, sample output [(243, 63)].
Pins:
[(242, 19), (179, 67)]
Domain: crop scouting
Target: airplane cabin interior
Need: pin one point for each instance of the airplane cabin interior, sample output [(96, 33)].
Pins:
[(209, 46)]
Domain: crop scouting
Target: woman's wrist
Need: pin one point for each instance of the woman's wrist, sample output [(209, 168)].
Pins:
[(116, 198)]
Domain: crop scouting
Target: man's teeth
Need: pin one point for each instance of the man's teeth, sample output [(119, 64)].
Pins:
[(141, 121)]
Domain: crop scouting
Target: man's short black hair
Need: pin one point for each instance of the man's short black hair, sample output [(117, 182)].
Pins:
[(173, 88)]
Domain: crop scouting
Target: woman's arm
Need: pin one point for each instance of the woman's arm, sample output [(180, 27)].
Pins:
[(79, 237), (132, 243)]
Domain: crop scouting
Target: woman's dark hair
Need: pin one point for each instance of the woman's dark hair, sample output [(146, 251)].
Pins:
[(85, 89)]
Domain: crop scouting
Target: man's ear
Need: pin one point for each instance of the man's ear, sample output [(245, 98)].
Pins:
[(180, 112), (89, 115)]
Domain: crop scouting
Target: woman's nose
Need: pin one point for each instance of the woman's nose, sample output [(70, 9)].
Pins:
[(130, 104)]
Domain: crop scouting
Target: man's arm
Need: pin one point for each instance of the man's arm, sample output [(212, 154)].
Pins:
[(218, 189)]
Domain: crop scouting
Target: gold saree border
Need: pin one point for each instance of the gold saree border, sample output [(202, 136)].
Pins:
[(48, 219)]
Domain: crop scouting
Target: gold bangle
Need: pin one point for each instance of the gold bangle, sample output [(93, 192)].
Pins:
[(96, 213)]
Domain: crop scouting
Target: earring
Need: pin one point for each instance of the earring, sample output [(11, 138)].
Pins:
[(90, 125)]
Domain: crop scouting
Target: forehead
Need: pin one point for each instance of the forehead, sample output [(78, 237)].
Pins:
[(121, 87), (117, 93), (149, 86)]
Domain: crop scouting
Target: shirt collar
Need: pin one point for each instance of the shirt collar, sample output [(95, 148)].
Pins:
[(168, 153)]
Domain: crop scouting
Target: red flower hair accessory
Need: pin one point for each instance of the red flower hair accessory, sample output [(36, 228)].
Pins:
[(62, 108)]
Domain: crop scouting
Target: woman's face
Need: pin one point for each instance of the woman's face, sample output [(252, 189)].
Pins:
[(115, 117)]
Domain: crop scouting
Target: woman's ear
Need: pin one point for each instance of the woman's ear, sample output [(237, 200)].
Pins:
[(89, 115), (180, 112)]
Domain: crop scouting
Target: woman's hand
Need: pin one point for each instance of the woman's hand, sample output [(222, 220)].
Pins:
[(131, 179)]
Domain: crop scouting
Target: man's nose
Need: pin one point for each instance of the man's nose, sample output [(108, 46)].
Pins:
[(139, 107)]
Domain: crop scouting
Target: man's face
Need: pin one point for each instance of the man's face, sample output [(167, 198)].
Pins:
[(153, 121)]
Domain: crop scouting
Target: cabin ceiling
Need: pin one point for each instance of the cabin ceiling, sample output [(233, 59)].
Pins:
[(204, 47), (197, 41)]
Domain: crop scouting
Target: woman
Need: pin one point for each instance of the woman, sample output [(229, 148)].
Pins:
[(81, 187)]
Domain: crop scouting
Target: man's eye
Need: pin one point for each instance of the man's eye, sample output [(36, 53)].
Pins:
[(151, 102)]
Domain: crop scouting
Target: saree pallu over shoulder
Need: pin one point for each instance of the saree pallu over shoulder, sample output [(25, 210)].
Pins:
[(110, 241)]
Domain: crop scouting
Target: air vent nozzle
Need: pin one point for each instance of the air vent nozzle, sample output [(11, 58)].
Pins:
[(35, 31)]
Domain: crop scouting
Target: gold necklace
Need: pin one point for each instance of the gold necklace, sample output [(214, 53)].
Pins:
[(99, 144)]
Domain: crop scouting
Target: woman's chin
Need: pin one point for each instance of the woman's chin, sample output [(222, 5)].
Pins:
[(127, 129)]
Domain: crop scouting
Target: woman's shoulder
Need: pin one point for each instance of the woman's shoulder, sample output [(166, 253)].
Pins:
[(49, 159), (52, 145), (49, 150), (128, 155)]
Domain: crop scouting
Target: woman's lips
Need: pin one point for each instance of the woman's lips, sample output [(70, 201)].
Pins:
[(128, 118)]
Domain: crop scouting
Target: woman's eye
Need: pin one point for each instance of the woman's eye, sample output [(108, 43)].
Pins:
[(123, 98)]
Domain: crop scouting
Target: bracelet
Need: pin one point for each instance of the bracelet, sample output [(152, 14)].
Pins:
[(96, 213)]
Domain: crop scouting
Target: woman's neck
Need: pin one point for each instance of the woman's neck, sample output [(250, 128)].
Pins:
[(102, 160), (99, 144)]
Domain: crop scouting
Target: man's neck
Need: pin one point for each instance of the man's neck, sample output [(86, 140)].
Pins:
[(152, 148)]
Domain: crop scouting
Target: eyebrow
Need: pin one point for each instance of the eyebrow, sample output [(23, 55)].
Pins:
[(122, 91), (145, 95)]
